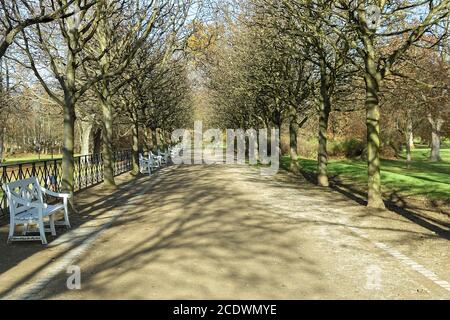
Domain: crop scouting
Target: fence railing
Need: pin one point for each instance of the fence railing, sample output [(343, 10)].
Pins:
[(88, 172)]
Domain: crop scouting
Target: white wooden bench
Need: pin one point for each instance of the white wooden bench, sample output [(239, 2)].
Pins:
[(164, 156), (157, 159), (147, 164), (27, 207)]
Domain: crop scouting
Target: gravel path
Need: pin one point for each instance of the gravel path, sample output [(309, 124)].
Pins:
[(225, 232)]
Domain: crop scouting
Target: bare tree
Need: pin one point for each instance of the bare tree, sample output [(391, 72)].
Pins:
[(58, 47), (377, 66), (116, 41), (16, 15)]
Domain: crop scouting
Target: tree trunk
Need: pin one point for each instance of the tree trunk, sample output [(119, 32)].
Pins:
[(147, 139), (408, 152), (435, 146), (68, 165), (293, 133), (280, 152), (106, 103), (97, 144), (436, 125), (324, 113), (135, 132), (2, 143), (372, 79), (68, 162), (154, 133), (86, 129), (167, 137), (107, 143), (409, 139), (162, 141)]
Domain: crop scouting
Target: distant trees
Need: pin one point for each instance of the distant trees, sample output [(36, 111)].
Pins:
[(420, 92), (340, 47), (41, 135), (79, 52), (313, 34), (378, 64), (156, 99)]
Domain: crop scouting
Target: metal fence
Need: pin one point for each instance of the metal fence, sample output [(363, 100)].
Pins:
[(88, 172)]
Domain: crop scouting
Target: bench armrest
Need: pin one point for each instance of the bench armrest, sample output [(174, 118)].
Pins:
[(26, 203), (55, 194)]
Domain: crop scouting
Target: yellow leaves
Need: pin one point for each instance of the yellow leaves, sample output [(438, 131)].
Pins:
[(203, 38)]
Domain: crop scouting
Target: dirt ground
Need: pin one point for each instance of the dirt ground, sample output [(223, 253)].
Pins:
[(226, 232)]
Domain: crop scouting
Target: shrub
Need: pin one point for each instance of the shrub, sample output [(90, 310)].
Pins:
[(352, 148), (308, 148)]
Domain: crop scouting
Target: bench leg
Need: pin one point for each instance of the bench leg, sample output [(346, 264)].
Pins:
[(52, 225), (11, 231), (25, 229), (42, 232)]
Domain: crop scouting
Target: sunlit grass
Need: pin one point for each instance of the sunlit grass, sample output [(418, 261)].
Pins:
[(423, 178), (31, 158)]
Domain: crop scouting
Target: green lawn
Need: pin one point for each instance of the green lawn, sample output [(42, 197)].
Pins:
[(423, 179), (28, 158)]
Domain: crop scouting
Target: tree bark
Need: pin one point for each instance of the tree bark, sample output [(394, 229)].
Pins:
[(167, 137), (409, 139), (68, 163), (135, 159), (147, 139), (372, 79), (324, 113), (2, 143), (107, 143), (162, 140), (293, 133), (97, 144), (86, 130), (436, 126), (408, 153), (104, 34), (154, 134)]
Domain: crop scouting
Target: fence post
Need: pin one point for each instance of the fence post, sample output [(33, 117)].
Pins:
[(33, 170), (55, 174), (3, 205), (20, 172), (46, 175)]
